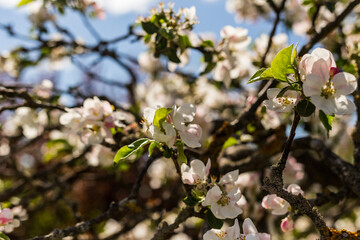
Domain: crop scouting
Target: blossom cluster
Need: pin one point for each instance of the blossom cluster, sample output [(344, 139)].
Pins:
[(176, 120), (93, 121)]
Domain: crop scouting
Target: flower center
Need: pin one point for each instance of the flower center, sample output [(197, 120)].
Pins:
[(221, 234), (286, 101), (328, 90), (224, 200)]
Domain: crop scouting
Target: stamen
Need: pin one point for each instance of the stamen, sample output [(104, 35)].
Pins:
[(328, 90)]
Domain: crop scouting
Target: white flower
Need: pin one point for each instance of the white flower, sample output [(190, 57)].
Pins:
[(190, 134), (72, 119), (251, 233), (95, 109), (308, 60), (327, 91), (278, 205), (190, 14), (231, 233), (196, 173), (236, 38), (284, 103), (295, 189), (168, 137), (44, 89), (223, 205)]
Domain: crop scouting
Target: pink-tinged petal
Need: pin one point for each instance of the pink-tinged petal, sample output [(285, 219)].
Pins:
[(187, 178), (207, 167), (287, 224), (264, 236), (322, 70), (198, 169), (281, 210), (344, 83), (191, 135), (252, 236), (264, 202), (325, 55), (295, 189), (6, 216), (233, 232), (249, 227), (212, 196), (312, 86)]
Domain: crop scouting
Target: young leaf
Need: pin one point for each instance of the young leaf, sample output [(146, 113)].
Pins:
[(149, 27), (3, 236), (305, 108), (24, 2), (230, 142), (261, 74), (171, 55), (152, 147), (281, 65), (184, 42), (191, 201), (326, 120), (181, 155), (127, 151), (160, 116), (213, 221)]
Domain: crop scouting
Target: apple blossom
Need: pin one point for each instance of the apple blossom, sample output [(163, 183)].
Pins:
[(285, 103), (44, 89), (189, 133), (251, 233), (223, 205), (326, 89), (287, 224), (6, 216), (231, 233), (277, 205), (190, 14), (196, 173)]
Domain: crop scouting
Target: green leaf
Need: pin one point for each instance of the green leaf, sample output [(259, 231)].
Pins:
[(168, 34), (149, 27), (305, 108), (160, 42), (191, 201), (261, 74), (172, 55), (184, 42), (283, 91), (209, 67), (160, 116), (181, 155), (213, 221), (127, 151), (3, 236), (230, 142), (152, 147), (281, 65), (326, 120), (207, 43), (24, 2)]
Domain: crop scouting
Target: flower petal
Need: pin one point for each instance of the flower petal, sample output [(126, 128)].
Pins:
[(344, 83), (249, 227), (322, 70), (312, 85)]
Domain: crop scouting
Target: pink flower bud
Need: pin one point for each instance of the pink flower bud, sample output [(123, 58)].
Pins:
[(6, 216), (333, 71), (287, 224)]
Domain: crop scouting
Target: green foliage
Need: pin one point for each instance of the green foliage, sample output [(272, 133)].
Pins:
[(209, 67), (230, 142), (261, 74), (3, 236), (160, 116), (180, 149), (127, 151), (56, 149), (191, 201), (213, 221), (326, 121), (305, 108), (149, 27), (152, 147), (281, 66), (24, 2)]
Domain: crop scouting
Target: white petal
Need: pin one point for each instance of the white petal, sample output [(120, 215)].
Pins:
[(272, 92), (191, 135), (343, 106), (211, 234), (322, 70), (233, 232), (212, 196), (312, 86), (344, 83), (198, 168), (229, 177), (249, 227)]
